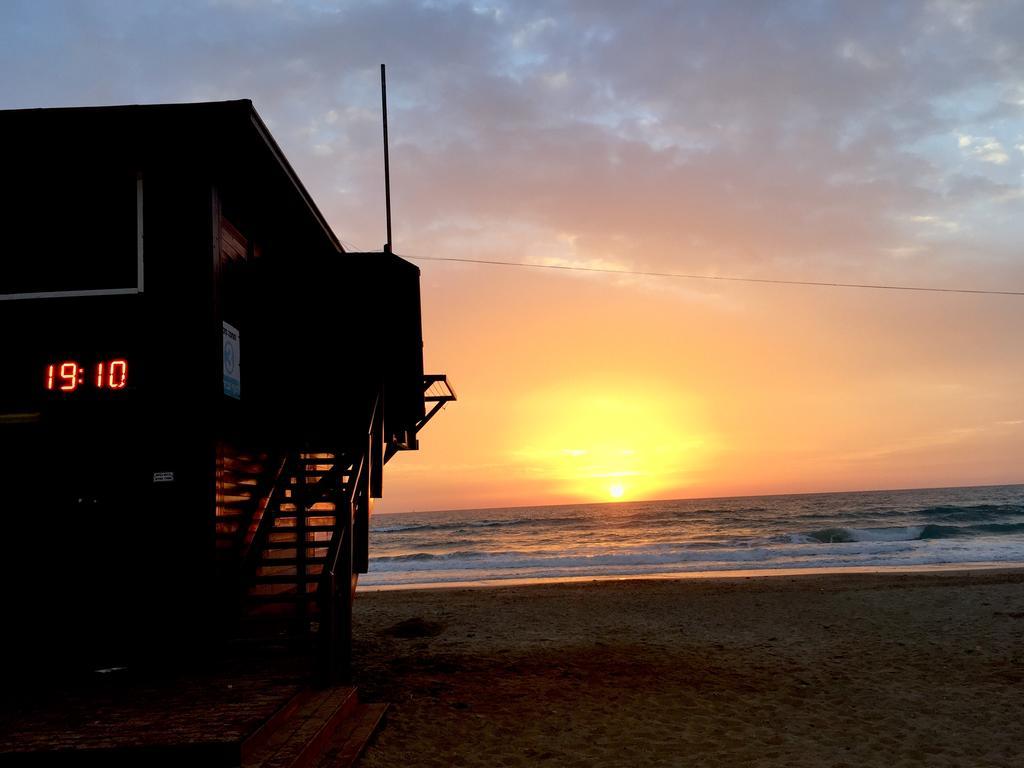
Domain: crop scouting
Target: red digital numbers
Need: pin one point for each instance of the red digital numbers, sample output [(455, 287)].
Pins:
[(118, 376), (69, 375)]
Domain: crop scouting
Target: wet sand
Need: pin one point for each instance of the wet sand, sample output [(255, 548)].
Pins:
[(820, 670)]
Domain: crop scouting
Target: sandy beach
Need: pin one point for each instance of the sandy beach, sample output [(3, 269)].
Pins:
[(817, 670)]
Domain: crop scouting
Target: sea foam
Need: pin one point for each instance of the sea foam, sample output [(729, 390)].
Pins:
[(875, 529)]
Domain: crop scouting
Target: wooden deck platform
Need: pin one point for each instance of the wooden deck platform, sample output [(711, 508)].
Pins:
[(242, 714)]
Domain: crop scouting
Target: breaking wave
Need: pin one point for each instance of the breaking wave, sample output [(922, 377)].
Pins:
[(905, 529), (908, 533)]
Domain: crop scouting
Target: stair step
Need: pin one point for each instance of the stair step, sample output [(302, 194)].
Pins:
[(353, 736), (300, 742), (291, 530), (296, 544), (259, 738), (292, 515), (280, 553), (284, 596), (285, 578), (288, 562)]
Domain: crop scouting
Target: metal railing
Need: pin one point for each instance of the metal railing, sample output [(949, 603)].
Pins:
[(336, 588)]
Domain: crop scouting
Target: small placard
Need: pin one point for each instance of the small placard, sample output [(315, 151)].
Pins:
[(163, 477), (232, 362)]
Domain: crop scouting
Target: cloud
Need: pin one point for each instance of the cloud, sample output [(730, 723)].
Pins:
[(936, 221), (984, 148), (800, 139), (838, 141), (853, 51)]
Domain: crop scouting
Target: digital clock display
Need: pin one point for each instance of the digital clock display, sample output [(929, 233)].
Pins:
[(69, 375)]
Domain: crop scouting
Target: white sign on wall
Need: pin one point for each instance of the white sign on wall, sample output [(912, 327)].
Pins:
[(232, 362)]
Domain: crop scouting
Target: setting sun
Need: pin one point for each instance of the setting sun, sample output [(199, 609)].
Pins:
[(600, 444), (667, 407)]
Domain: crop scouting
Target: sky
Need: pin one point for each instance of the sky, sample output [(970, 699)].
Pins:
[(827, 141)]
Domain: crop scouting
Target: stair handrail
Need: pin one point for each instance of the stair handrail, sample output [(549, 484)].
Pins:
[(329, 671), (252, 550), (327, 586), (342, 522)]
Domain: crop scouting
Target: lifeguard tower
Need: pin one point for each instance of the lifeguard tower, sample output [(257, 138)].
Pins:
[(199, 390)]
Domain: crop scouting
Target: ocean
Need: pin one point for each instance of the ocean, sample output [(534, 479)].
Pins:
[(865, 530)]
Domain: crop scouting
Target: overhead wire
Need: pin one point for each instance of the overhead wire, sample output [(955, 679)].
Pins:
[(723, 278)]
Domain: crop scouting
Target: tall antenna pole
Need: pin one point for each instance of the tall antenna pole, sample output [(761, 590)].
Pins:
[(387, 166)]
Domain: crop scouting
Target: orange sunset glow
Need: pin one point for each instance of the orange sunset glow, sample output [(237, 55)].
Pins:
[(795, 142), (654, 391), (609, 443), (433, 383)]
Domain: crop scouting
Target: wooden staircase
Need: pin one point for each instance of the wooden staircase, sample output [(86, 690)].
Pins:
[(304, 524), (243, 481)]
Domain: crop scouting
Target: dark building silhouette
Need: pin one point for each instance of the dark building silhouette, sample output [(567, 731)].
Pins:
[(200, 387)]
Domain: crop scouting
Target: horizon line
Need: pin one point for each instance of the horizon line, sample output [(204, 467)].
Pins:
[(705, 498)]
